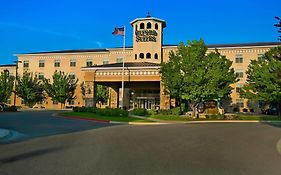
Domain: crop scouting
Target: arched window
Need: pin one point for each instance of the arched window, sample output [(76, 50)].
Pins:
[(148, 25), (156, 56), (136, 28), (136, 56), (141, 55), (148, 55), (156, 26), (142, 26)]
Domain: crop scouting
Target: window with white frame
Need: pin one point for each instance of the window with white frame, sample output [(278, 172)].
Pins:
[(57, 63), (72, 63), (41, 63), (25, 63), (239, 58), (89, 62), (119, 60), (105, 61)]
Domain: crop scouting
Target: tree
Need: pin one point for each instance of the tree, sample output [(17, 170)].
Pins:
[(30, 89), (6, 86), (102, 94), (198, 76), (264, 79), (278, 25), (62, 88)]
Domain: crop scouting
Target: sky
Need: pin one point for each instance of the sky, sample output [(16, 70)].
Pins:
[(48, 25)]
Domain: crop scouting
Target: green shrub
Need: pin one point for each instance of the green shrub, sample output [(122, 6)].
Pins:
[(10, 108), (112, 112), (212, 111), (140, 112), (215, 117), (176, 111), (165, 112), (152, 112)]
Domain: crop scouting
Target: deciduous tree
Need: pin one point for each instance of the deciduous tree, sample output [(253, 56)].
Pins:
[(62, 88), (6, 86), (30, 89)]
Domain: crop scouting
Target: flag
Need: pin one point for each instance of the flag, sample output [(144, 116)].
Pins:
[(118, 31)]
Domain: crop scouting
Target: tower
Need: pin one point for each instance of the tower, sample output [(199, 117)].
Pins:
[(148, 39)]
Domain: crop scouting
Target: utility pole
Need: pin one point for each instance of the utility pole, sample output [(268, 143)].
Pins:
[(16, 79)]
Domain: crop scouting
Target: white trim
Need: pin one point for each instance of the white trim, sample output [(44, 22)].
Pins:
[(118, 68)]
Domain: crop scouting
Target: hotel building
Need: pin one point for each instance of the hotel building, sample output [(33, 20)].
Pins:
[(142, 81)]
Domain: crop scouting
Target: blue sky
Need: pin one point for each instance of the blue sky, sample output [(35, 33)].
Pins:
[(46, 25)]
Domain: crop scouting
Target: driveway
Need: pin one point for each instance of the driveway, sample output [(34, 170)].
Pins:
[(30, 124), (181, 149)]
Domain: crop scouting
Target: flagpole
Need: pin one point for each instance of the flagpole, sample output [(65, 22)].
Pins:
[(123, 68)]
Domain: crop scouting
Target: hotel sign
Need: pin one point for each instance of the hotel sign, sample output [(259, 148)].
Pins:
[(146, 36)]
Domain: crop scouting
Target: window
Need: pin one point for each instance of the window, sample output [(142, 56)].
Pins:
[(239, 74), (148, 25), (9, 101), (136, 56), (71, 102), (156, 26), (105, 61), (260, 57), (119, 60), (25, 63), (41, 63), (156, 56), (55, 102), (57, 63), (240, 103), (40, 76), (142, 26), (136, 27), (238, 88), (239, 58), (22, 101), (89, 62), (72, 63), (148, 55), (40, 102), (141, 55), (71, 75)]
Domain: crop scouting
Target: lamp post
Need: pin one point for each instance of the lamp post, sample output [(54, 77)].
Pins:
[(17, 66)]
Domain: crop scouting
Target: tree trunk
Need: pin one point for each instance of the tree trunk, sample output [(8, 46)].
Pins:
[(193, 106), (180, 101)]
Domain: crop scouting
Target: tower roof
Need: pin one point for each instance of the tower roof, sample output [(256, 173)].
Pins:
[(149, 18)]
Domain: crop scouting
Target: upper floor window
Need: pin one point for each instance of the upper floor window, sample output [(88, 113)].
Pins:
[(72, 63), (89, 62), (136, 27), (156, 26), (57, 63), (148, 25), (25, 63), (156, 56), (148, 55), (239, 58), (119, 60), (105, 61), (141, 55), (142, 26), (136, 56), (40, 76), (41, 63), (261, 57)]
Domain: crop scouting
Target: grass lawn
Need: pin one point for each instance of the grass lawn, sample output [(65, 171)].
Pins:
[(258, 117), (99, 117), (240, 117)]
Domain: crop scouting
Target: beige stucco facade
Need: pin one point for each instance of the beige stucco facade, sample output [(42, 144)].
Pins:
[(147, 48)]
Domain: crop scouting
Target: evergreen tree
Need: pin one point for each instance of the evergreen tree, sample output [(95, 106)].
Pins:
[(6, 86), (62, 88), (30, 89)]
